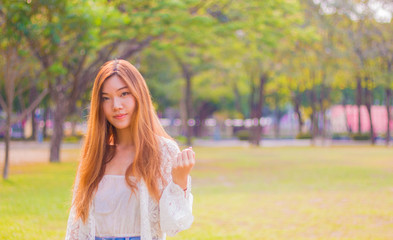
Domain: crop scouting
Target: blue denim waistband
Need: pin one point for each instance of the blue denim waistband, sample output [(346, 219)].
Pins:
[(118, 238)]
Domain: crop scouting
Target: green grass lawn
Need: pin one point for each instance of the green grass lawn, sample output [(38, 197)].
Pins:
[(239, 193)]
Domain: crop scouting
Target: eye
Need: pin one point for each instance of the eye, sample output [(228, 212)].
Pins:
[(124, 94), (105, 99)]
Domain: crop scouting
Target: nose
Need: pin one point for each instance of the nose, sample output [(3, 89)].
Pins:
[(117, 104)]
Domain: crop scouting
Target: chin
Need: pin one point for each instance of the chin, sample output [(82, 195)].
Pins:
[(121, 127)]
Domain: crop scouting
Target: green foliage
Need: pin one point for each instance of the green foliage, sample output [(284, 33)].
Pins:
[(73, 139), (57, 69), (303, 136), (360, 136), (182, 140), (243, 134), (226, 45), (340, 136), (162, 77)]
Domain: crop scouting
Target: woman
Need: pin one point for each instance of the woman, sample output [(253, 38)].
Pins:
[(132, 182)]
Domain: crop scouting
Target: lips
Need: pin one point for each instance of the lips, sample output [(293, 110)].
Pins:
[(120, 116)]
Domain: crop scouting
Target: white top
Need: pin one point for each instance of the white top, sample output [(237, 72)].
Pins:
[(170, 215), (116, 208)]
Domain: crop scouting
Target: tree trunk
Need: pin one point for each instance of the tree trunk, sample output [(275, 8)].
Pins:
[(9, 77), (33, 95), (344, 104), (372, 137), (278, 118), (297, 102), (73, 128), (325, 97), (388, 97), (349, 130), (183, 115), (252, 111), (188, 109), (324, 123), (359, 101), (238, 101), (322, 109), (59, 116), (33, 126), (7, 144), (204, 111), (314, 118), (256, 129), (45, 118), (256, 110), (368, 97)]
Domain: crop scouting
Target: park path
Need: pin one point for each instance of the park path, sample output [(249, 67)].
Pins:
[(29, 151)]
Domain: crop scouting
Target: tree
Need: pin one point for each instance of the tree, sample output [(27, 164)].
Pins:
[(264, 25), (384, 47), (191, 51), (71, 40), (277, 96), (13, 73)]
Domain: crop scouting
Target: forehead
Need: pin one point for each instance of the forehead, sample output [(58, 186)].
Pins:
[(113, 84)]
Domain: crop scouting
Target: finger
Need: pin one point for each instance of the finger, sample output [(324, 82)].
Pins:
[(193, 154), (188, 160), (184, 157), (178, 160), (190, 156)]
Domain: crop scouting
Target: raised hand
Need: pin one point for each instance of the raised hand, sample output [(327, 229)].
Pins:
[(185, 161)]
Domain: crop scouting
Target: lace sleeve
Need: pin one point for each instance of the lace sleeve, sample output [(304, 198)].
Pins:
[(175, 208), (76, 229)]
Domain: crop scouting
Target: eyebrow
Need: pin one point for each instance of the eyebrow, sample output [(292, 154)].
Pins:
[(116, 90)]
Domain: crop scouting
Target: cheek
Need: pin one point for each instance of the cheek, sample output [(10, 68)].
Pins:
[(106, 109), (132, 103)]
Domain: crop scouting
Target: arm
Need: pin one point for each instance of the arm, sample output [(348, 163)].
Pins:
[(176, 204), (76, 229), (72, 226)]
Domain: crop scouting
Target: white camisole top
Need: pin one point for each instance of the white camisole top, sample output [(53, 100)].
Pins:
[(116, 208)]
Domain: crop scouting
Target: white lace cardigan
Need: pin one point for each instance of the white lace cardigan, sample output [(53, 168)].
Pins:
[(171, 215)]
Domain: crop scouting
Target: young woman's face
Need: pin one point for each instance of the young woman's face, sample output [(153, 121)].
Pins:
[(117, 102)]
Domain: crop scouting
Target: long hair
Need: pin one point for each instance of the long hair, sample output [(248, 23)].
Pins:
[(100, 142)]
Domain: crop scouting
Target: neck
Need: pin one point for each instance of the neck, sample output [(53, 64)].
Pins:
[(124, 138)]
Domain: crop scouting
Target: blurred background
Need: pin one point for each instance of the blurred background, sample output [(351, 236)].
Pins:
[(299, 90)]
